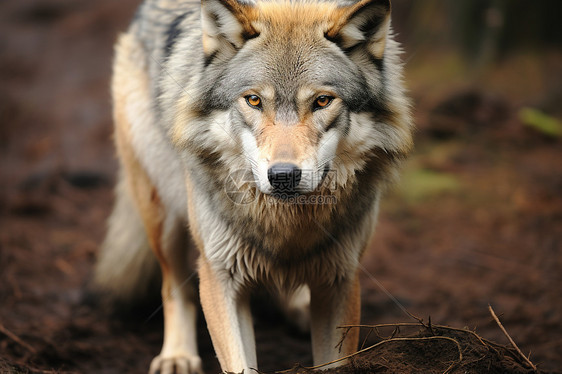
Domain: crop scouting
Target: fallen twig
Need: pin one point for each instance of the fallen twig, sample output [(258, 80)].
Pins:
[(484, 342), (16, 339), (389, 341), (511, 340)]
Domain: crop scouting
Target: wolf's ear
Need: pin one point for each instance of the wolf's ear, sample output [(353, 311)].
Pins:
[(226, 21), (365, 22)]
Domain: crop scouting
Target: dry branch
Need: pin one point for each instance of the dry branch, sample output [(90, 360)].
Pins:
[(510, 339), (16, 339)]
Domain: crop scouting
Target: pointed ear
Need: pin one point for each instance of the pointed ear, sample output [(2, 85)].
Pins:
[(226, 21), (365, 22)]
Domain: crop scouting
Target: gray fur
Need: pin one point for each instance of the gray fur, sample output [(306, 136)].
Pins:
[(183, 75)]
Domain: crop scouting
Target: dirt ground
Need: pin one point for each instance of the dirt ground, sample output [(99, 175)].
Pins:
[(476, 220)]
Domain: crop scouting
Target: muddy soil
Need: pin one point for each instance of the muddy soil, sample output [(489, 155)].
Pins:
[(477, 219)]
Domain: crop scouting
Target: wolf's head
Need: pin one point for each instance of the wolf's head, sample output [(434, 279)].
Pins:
[(301, 88)]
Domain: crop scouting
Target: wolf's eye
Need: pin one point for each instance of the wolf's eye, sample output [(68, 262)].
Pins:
[(254, 101), (322, 102)]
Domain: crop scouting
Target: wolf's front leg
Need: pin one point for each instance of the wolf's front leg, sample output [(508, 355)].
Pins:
[(167, 238), (179, 353), (331, 307), (229, 319)]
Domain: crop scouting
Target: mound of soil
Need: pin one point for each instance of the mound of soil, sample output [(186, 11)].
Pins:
[(432, 350)]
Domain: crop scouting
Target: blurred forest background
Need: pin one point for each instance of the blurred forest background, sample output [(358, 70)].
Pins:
[(476, 219), (506, 47)]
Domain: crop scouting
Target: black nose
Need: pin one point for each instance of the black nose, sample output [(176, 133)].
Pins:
[(284, 177)]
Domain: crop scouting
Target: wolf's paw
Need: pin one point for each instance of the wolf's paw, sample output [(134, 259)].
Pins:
[(180, 363)]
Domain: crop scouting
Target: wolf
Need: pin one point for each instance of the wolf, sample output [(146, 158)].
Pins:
[(267, 131)]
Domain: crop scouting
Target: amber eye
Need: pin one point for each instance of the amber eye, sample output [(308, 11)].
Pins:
[(253, 101), (322, 101)]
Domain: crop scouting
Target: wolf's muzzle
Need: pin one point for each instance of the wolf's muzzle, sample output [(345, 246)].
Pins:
[(284, 177)]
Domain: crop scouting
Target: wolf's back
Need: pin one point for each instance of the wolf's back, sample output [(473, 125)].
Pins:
[(127, 270), (158, 26)]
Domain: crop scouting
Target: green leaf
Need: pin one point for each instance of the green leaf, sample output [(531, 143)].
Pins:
[(541, 122), (421, 184)]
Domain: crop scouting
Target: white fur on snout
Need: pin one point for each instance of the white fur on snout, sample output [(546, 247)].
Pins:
[(259, 165), (312, 168), (326, 153), (310, 175)]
